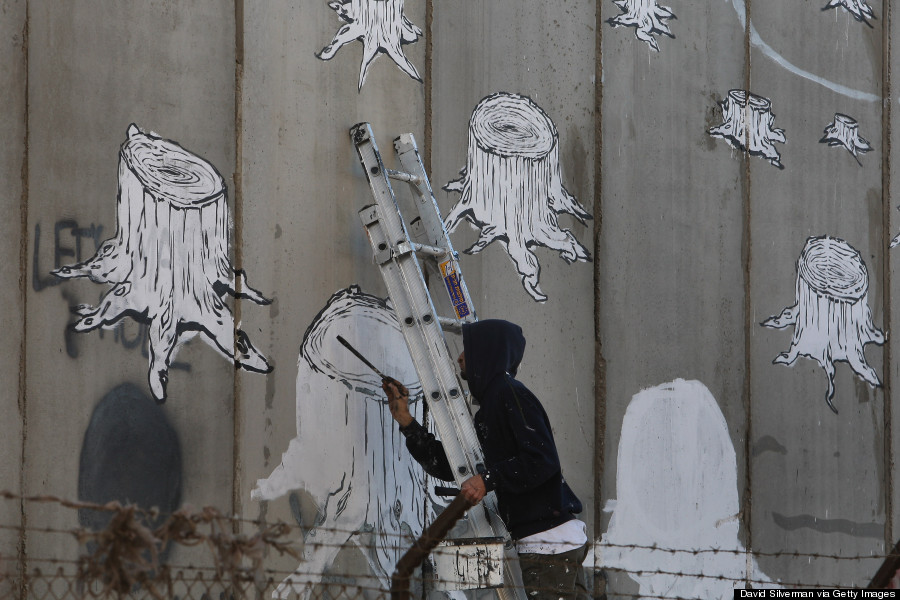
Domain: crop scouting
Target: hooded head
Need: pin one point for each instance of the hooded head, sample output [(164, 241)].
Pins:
[(492, 347)]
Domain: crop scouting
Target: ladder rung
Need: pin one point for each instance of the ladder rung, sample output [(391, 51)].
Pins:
[(402, 176), (448, 323), (435, 251)]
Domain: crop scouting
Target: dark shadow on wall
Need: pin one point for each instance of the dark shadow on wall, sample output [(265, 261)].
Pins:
[(130, 454)]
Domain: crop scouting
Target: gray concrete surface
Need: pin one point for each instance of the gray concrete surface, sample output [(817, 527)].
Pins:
[(694, 243), (12, 156)]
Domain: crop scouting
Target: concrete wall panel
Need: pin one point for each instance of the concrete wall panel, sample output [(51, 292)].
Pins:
[(671, 291), (94, 69), (303, 240), (837, 495), (547, 53), (12, 159)]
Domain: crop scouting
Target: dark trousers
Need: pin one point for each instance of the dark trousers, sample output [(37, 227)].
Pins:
[(555, 576)]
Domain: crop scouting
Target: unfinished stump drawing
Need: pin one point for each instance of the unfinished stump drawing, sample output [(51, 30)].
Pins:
[(381, 26), (647, 18), (860, 9), (748, 127), (168, 261), (844, 132), (831, 316), (511, 186)]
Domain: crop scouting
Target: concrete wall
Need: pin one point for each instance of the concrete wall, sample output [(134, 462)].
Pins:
[(693, 242)]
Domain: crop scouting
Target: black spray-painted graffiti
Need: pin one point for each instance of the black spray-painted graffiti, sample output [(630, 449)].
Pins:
[(370, 493), (168, 263), (131, 454), (844, 132), (647, 18), (748, 126), (69, 240), (381, 26), (831, 316), (511, 187), (860, 9)]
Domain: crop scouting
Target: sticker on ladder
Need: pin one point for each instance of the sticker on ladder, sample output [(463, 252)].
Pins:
[(454, 288)]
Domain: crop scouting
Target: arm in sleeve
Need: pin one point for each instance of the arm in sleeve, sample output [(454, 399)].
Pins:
[(427, 451), (535, 459)]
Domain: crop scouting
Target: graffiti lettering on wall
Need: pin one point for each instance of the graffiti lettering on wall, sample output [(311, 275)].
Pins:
[(369, 485), (676, 497), (647, 18), (130, 454), (381, 26), (511, 187), (860, 9), (747, 125), (168, 263), (69, 240), (831, 316), (844, 132)]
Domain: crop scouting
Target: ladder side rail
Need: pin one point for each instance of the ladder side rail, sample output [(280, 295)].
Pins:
[(433, 225), (431, 360), (385, 238)]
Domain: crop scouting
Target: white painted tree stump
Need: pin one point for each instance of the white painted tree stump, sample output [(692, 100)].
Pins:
[(747, 125), (381, 26), (647, 18), (860, 9), (844, 132), (168, 261), (831, 316), (511, 188)]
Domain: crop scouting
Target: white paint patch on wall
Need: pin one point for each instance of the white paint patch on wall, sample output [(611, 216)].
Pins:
[(676, 481), (349, 454)]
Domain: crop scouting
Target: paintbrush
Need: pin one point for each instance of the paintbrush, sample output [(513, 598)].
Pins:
[(358, 355)]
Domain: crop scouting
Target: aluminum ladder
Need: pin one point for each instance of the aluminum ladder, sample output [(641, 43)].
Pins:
[(407, 257)]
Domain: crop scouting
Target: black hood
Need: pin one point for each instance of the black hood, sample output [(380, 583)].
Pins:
[(492, 347)]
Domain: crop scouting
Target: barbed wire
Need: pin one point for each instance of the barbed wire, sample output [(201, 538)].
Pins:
[(125, 555), (313, 530)]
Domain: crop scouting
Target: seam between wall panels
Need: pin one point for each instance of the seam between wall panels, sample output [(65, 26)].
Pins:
[(22, 550), (428, 84), (886, 271), (746, 259), (237, 416), (599, 361)]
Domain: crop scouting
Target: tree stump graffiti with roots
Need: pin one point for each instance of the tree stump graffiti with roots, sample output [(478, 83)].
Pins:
[(831, 316), (860, 9), (647, 18), (844, 132), (511, 186), (381, 26), (168, 262), (748, 127)]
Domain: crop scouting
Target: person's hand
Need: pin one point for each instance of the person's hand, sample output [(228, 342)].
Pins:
[(398, 401), (473, 489)]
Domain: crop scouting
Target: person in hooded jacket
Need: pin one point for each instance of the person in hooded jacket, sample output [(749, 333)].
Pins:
[(521, 463)]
